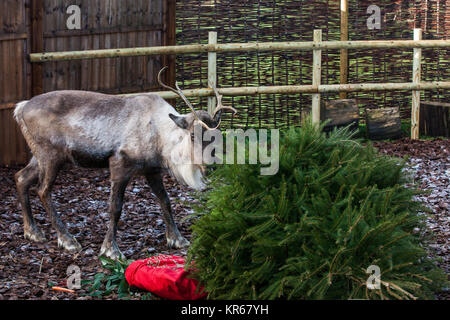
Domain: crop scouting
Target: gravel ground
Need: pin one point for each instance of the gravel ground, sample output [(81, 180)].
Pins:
[(429, 164), (81, 198), (81, 195)]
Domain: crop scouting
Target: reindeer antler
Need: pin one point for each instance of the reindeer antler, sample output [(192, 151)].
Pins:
[(179, 92), (220, 106)]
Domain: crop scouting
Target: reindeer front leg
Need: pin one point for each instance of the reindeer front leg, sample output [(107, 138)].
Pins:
[(173, 235), (120, 176)]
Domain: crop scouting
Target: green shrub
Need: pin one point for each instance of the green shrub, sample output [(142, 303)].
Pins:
[(311, 231)]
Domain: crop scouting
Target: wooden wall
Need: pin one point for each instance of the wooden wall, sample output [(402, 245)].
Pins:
[(40, 26), (14, 77)]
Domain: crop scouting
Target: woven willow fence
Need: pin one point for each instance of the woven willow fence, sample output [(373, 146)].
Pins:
[(294, 20)]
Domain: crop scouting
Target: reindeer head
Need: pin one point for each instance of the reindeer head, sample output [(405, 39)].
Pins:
[(201, 117), (194, 123)]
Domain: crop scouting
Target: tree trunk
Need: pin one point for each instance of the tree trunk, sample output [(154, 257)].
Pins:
[(341, 113), (434, 119)]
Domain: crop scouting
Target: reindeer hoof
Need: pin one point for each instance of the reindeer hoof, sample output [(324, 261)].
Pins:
[(178, 243), (111, 251), (34, 234), (69, 243)]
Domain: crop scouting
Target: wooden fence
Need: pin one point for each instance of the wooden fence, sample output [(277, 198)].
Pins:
[(28, 26), (316, 88)]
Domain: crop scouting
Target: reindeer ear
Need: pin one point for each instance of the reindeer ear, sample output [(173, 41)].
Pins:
[(180, 121)]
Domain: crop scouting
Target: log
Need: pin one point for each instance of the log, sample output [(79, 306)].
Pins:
[(212, 71), (417, 75), (435, 119), (236, 47), (383, 123), (316, 79), (341, 113), (343, 75), (292, 89)]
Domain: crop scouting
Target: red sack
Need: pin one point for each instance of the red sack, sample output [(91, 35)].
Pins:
[(164, 275)]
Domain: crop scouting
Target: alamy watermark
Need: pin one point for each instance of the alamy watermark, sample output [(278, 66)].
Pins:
[(374, 280), (73, 22), (250, 146), (374, 21), (74, 277)]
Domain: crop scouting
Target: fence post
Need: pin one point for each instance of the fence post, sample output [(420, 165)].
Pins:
[(212, 70), (317, 71), (344, 52), (415, 110)]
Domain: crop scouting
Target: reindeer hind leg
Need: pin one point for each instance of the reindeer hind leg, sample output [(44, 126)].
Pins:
[(25, 178)]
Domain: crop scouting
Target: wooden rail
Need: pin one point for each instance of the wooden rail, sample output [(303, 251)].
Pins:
[(317, 45), (237, 47), (292, 89)]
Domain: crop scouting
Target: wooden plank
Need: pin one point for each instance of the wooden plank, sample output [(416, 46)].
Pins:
[(106, 64), (142, 63), (132, 75), (95, 68), (164, 58), (75, 66), (85, 66), (415, 112), (18, 54), (9, 61), (102, 31), (13, 36), (49, 68), (114, 63), (344, 52), (28, 65), (168, 38), (317, 72), (37, 44), (171, 40), (212, 71), (3, 71)]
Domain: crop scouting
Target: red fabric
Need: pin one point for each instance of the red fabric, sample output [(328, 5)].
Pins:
[(163, 275)]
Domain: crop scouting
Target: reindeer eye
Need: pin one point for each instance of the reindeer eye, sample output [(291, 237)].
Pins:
[(192, 136)]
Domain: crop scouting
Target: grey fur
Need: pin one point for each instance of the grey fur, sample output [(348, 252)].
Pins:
[(131, 135)]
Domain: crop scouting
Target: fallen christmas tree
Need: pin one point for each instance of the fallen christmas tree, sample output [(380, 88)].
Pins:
[(311, 231)]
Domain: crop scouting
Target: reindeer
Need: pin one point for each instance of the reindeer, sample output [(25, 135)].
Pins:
[(130, 135)]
